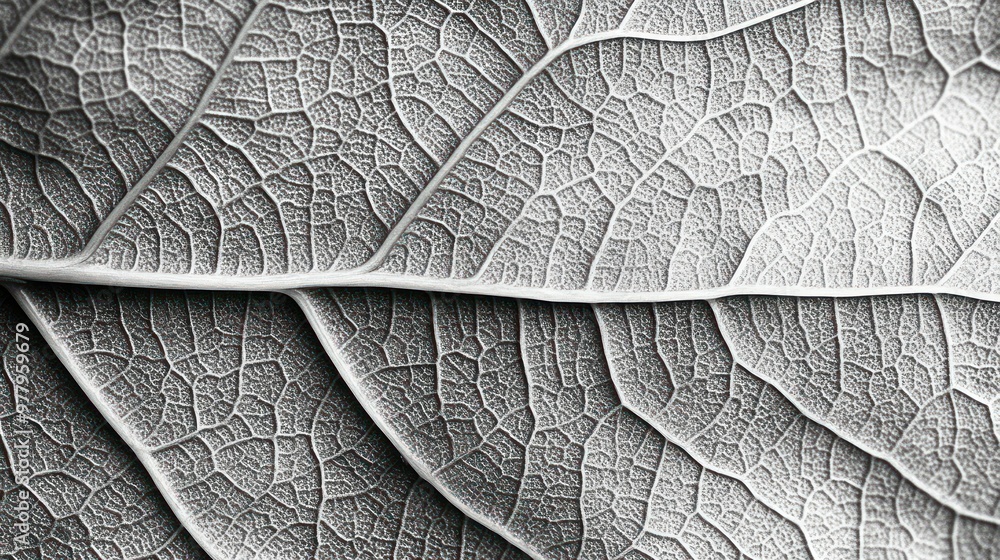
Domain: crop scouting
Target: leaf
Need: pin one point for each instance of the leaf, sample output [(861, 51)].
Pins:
[(69, 487), (231, 402), (681, 166), (642, 432), (909, 378), (640, 152), (327, 121)]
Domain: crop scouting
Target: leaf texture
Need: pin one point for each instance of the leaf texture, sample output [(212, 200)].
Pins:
[(621, 431), (245, 423), (80, 489), (643, 152), (640, 431), (547, 279), (910, 378), (328, 120), (91, 95)]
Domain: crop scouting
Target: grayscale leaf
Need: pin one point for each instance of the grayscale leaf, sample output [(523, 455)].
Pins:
[(69, 487), (241, 418), (745, 427), (643, 433), (589, 151), (548, 279)]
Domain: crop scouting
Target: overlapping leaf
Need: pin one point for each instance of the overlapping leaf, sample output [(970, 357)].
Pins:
[(628, 430)]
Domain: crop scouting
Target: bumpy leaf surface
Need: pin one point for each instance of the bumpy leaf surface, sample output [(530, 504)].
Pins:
[(679, 166), (605, 150), (80, 489), (245, 423), (642, 431)]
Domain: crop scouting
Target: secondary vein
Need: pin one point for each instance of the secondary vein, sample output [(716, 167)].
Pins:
[(178, 140), (501, 106)]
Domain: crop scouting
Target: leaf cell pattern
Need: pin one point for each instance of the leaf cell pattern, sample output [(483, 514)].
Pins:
[(618, 150), (662, 374), (69, 487), (91, 94), (244, 421), (500, 279)]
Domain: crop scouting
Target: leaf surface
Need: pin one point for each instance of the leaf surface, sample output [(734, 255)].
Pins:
[(245, 424), (399, 169), (69, 486), (596, 152), (642, 432), (327, 121), (909, 378)]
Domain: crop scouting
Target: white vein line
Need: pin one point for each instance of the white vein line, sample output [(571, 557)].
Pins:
[(501, 106), (969, 251), (538, 24), (522, 344), (683, 446), (46, 271), (421, 200), (20, 27), (351, 381), (140, 449), (904, 473), (111, 220)]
